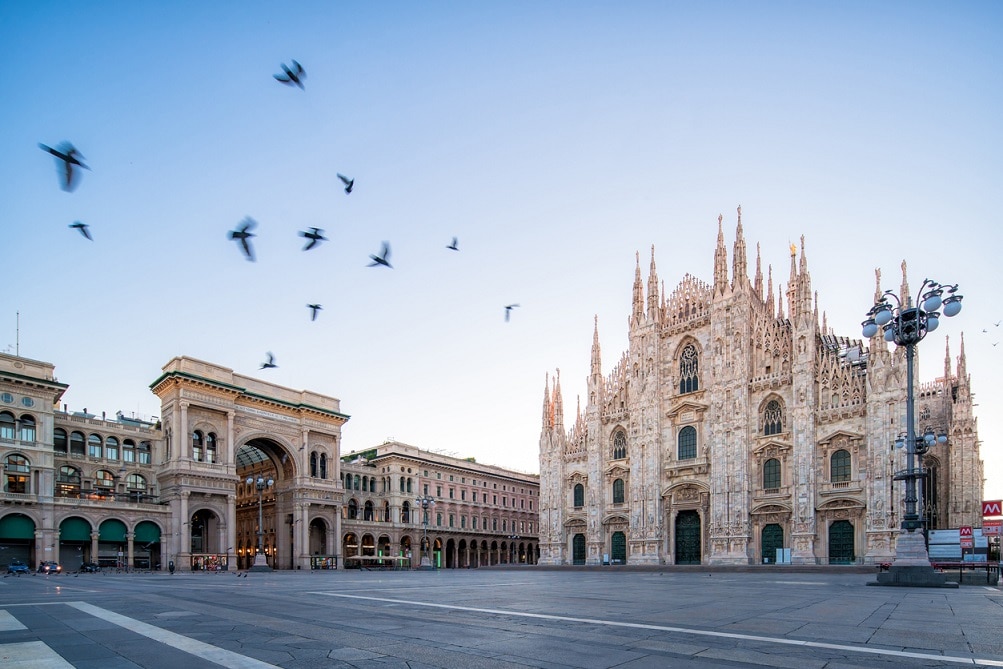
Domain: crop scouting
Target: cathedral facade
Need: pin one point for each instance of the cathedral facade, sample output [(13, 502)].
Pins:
[(739, 429)]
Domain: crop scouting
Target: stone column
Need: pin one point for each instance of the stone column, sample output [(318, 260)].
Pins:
[(231, 530), (337, 538), (231, 451), (94, 547), (184, 439)]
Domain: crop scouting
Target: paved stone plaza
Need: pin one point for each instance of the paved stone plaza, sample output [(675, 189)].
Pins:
[(493, 618)]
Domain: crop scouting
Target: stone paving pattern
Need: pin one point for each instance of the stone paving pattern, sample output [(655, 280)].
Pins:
[(300, 620)]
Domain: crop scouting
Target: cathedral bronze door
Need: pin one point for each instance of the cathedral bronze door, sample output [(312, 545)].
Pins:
[(688, 538), (618, 548), (773, 538), (841, 543), (578, 549)]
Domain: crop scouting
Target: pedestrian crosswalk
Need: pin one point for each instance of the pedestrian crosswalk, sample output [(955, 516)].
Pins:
[(31, 655)]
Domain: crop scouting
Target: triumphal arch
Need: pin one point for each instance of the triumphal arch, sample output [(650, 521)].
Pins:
[(251, 470)]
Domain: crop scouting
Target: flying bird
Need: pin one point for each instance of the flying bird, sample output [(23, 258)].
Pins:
[(508, 310), (315, 235), (382, 258), (70, 157), (314, 308), (292, 76), (349, 183), (244, 235), (82, 227), (453, 245), (271, 362)]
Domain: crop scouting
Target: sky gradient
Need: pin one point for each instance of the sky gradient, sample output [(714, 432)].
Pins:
[(554, 139)]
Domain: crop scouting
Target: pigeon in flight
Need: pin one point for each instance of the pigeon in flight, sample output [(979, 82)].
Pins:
[(453, 245), (315, 235), (70, 157), (381, 259), (314, 308), (271, 362), (292, 76), (82, 227), (508, 310), (349, 183), (244, 235)]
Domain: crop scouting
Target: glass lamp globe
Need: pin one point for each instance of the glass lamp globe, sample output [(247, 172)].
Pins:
[(883, 316)]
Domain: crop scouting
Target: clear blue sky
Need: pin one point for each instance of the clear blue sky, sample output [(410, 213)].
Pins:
[(554, 139)]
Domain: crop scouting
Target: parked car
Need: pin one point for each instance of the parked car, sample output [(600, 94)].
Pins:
[(49, 568), (90, 568), (17, 567)]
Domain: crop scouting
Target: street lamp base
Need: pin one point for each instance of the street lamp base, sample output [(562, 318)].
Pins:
[(426, 563), (260, 563), (912, 568)]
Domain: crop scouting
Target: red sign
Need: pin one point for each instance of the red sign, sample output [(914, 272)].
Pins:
[(993, 507), (992, 528), (965, 533)]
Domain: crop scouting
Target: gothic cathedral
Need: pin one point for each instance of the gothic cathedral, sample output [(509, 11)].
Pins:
[(739, 429)]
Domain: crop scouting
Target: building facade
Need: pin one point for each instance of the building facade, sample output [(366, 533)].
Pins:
[(234, 467), (738, 428)]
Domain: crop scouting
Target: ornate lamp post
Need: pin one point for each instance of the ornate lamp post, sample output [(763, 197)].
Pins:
[(425, 502), (260, 560), (906, 325), (512, 548)]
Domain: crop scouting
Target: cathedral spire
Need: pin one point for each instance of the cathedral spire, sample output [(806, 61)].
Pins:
[(720, 261), (740, 270), (792, 283), (904, 290), (947, 357), (758, 285), (548, 408), (596, 357), (558, 405), (638, 293), (652, 288), (962, 364), (769, 295), (780, 301), (878, 340), (804, 285)]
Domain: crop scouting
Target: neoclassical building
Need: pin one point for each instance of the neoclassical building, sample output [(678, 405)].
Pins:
[(739, 428), (184, 489)]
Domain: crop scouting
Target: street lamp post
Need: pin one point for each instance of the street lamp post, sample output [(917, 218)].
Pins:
[(260, 560), (906, 325), (425, 502)]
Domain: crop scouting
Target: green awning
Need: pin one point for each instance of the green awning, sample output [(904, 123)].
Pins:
[(74, 529), (146, 533), (113, 530), (17, 526)]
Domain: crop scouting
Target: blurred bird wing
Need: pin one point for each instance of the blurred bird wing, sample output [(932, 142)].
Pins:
[(300, 72), (344, 179)]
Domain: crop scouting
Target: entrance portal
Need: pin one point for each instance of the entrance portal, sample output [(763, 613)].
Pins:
[(688, 538)]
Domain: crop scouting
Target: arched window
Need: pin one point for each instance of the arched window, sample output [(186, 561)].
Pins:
[(128, 451), (94, 446), (365, 484), (135, 484), (59, 440), (402, 484), (356, 481), (839, 467), (7, 425), (409, 485), (619, 445), (618, 491), (111, 448), (144, 453), (771, 474), (27, 428), (689, 368), (773, 418), (386, 512), (353, 509), (77, 443), (323, 465), (406, 512), (372, 484), (198, 443), (367, 511), (68, 482), (687, 443), (104, 481), (313, 464), (210, 447), (16, 469), (579, 495)]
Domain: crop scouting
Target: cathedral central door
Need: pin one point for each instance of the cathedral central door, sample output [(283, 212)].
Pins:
[(578, 549), (841, 543), (773, 538), (688, 538), (618, 548)]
